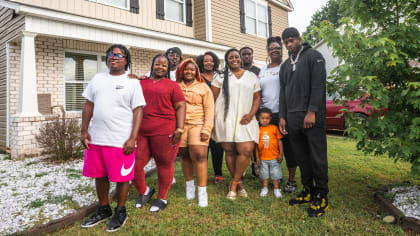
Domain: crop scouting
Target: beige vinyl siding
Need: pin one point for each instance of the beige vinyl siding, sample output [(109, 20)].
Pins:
[(10, 26), (145, 19), (226, 27), (280, 20), (200, 19)]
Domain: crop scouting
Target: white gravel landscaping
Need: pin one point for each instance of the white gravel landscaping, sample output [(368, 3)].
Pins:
[(33, 192), (407, 200)]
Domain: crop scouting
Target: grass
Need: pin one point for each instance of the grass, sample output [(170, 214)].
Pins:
[(38, 175), (353, 179)]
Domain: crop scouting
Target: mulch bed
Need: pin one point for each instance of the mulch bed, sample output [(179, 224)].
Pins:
[(409, 224)]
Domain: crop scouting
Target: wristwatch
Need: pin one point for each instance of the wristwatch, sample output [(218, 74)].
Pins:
[(180, 130)]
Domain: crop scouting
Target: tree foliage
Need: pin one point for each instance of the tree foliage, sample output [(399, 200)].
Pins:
[(331, 12), (378, 46)]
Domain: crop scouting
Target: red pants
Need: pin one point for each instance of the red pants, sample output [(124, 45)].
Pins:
[(160, 147)]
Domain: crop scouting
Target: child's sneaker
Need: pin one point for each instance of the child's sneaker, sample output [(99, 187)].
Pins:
[(319, 206), (277, 193), (290, 186), (304, 197), (264, 192)]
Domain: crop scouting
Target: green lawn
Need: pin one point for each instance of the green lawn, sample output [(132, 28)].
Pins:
[(353, 177)]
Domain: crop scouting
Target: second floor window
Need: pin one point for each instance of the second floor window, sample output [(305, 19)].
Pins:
[(124, 4), (256, 18), (175, 10)]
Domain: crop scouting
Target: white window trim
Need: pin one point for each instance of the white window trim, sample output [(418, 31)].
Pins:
[(264, 4), (99, 56), (183, 12), (113, 5)]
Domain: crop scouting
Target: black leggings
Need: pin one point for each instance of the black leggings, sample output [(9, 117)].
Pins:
[(216, 156)]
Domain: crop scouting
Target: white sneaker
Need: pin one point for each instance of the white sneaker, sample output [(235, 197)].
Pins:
[(202, 197), (173, 180), (190, 190), (277, 193), (264, 192)]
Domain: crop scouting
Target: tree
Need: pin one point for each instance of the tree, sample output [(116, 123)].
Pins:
[(378, 46), (331, 12)]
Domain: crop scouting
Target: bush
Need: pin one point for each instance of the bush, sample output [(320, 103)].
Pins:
[(61, 138)]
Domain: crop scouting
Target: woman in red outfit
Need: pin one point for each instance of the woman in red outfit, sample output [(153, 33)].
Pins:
[(160, 132)]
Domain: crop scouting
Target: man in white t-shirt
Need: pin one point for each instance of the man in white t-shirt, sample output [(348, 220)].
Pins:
[(114, 103)]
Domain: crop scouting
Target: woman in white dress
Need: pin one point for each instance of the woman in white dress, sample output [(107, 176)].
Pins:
[(237, 95)]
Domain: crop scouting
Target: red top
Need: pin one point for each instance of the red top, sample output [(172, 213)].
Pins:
[(159, 112)]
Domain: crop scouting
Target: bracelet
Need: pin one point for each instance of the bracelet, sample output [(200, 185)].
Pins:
[(180, 130)]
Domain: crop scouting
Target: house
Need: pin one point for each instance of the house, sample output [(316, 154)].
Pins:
[(50, 49), (331, 62)]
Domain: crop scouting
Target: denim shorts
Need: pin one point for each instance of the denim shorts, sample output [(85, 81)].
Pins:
[(270, 168)]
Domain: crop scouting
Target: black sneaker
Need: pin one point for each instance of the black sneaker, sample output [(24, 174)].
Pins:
[(118, 220), (101, 214), (290, 187), (304, 197), (144, 199), (319, 206)]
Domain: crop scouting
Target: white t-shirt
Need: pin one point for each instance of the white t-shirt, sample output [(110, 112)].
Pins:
[(114, 99), (172, 74), (270, 88)]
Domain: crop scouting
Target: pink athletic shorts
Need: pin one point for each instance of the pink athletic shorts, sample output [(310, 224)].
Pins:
[(102, 161)]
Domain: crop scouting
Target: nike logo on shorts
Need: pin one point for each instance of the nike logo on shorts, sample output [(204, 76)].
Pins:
[(125, 172)]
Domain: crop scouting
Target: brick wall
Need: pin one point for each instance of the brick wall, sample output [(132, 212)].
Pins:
[(50, 80)]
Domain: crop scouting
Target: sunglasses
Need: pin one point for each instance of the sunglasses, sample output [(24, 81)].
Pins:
[(112, 55), (277, 48)]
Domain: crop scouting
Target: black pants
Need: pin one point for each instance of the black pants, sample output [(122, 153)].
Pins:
[(287, 149), (216, 156), (309, 147)]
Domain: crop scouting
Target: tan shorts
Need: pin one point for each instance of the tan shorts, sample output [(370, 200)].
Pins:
[(191, 136)]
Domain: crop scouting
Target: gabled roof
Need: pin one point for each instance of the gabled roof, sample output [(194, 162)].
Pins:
[(285, 4)]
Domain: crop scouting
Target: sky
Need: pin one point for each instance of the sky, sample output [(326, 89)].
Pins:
[(304, 9)]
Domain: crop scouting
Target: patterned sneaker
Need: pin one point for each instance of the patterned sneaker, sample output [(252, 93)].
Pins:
[(118, 220), (304, 197), (319, 206), (290, 187), (218, 179), (101, 214)]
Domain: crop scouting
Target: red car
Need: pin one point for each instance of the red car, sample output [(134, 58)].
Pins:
[(335, 122)]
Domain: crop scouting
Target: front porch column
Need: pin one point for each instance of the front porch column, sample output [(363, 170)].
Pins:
[(28, 100)]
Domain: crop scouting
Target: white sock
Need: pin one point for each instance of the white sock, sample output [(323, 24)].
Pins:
[(147, 190), (155, 208), (190, 190), (202, 196)]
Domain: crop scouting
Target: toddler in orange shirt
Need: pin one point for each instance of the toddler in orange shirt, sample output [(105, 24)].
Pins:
[(269, 153)]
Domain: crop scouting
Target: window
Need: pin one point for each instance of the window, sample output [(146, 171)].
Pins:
[(256, 18), (175, 10), (79, 69), (115, 3)]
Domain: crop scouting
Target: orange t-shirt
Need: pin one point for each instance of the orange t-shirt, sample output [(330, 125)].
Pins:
[(268, 146)]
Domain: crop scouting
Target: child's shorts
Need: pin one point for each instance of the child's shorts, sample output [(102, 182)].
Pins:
[(102, 161), (270, 168), (191, 136)]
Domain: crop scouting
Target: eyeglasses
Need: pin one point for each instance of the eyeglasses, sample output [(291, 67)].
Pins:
[(112, 55), (277, 48)]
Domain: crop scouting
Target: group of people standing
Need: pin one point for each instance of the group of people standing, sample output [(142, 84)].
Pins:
[(190, 106)]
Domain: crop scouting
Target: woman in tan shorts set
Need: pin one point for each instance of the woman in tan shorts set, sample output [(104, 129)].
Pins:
[(197, 129)]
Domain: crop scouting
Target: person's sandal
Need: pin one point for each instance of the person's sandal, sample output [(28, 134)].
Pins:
[(231, 195), (144, 199), (159, 204)]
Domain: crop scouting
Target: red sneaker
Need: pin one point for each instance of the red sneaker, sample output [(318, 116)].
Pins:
[(218, 179)]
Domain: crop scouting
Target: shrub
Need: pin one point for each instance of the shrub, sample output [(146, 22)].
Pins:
[(61, 138)]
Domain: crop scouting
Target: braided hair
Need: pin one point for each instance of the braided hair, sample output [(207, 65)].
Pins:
[(153, 62), (225, 86)]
